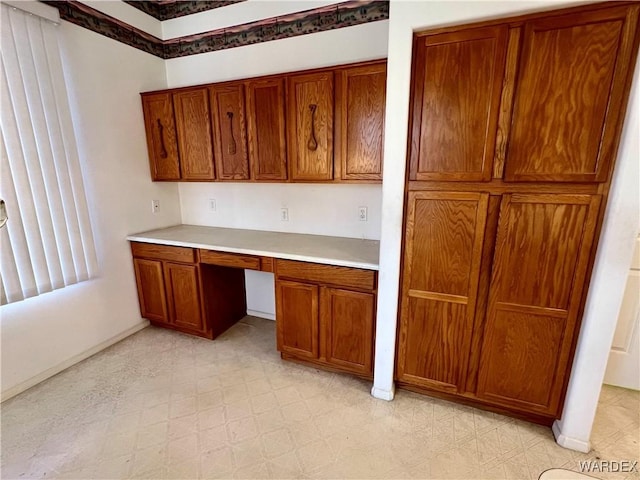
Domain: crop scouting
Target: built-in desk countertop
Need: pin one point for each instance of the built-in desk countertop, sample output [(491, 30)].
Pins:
[(339, 251)]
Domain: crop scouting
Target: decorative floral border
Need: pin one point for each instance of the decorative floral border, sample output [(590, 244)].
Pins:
[(165, 10), (331, 17)]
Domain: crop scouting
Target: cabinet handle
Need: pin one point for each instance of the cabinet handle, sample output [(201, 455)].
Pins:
[(312, 144), (163, 149), (231, 148)]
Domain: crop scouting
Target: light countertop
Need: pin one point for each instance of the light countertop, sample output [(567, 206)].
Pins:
[(340, 251)]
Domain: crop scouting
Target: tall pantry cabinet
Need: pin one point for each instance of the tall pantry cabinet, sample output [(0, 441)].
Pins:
[(514, 129)]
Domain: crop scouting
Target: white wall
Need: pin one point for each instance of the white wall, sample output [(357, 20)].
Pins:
[(43, 334), (313, 208), (598, 329)]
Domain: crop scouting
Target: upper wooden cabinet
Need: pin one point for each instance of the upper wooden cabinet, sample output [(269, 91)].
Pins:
[(193, 123), (266, 128), (569, 101), (457, 81), (227, 105), (161, 136), (360, 109), (310, 126)]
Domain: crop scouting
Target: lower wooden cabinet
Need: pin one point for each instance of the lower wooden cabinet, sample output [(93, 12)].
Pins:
[(176, 291), (322, 322)]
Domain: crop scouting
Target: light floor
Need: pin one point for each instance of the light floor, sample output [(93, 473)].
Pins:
[(164, 405)]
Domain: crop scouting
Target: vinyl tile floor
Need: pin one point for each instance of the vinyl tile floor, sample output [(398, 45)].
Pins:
[(162, 405)]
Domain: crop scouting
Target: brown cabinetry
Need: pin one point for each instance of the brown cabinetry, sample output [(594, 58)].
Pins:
[(227, 105), (310, 124), (514, 128), (266, 128), (360, 108), (151, 293), (162, 141), (325, 315)]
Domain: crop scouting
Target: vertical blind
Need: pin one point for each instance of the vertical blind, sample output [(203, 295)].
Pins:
[(47, 243)]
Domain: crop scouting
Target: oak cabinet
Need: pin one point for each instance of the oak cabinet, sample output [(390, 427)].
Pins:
[(310, 126), (457, 80), (266, 129), (193, 123), (571, 96), (151, 292), (360, 109), (162, 141), (514, 127), (183, 294), (325, 315), (228, 107)]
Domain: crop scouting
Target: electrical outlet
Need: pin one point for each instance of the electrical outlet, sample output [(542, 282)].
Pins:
[(284, 214), (362, 214), (155, 206), (212, 204)]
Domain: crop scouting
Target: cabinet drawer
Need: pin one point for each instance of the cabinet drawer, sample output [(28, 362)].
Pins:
[(230, 259), (327, 274), (163, 252)]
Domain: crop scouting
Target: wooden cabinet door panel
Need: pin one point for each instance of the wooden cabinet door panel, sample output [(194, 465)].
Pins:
[(310, 126), (183, 292), (297, 318), (266, 129), (360, 108), (151, 291), (570, 96), (194, 134), (443, 250), (347, 329), (542, 251), (161, 136), (232, 158), (457, 85)]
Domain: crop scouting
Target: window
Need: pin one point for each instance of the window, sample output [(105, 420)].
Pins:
[(47, 242)]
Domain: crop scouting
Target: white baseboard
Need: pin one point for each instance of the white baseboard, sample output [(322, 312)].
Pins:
[(27, 384), (383, 394), (568, 442), (259, 314)]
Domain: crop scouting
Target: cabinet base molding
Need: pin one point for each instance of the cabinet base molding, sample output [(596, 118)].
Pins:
[(472, 402), (382, 394), (569, 442), (323, 366)]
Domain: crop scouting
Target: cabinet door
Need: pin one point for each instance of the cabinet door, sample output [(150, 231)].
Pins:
[(347, 329), (232, 159), (456, 91), (541, 258), (266, 127), (297, 318), (310, 126), (360, 107), (570, 96), (183, 293), (151, 293), (441, 267), (161, 136), (194, 134)]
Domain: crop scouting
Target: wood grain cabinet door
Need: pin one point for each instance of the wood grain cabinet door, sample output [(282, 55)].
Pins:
[(297, 318), (161, 136), (151, 291), (443, 251), (570, 96), (347, 319), (360, 108), (540, 263), (232, 158), (266, 129), (183, 293), (457, 86), (194, 134), (310, 126)]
